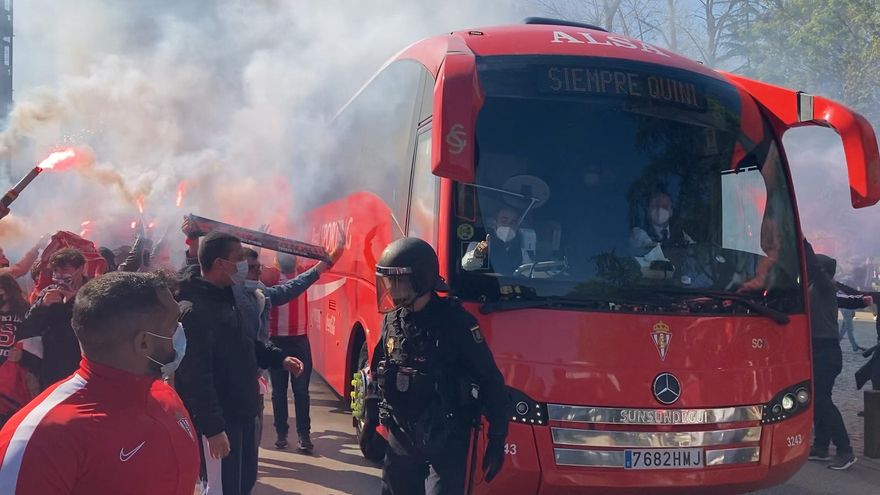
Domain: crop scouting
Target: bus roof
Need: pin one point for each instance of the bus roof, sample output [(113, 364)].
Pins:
[(546, 39)]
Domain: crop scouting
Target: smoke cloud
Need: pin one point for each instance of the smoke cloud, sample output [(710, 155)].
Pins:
[(821, 184), (230, 98)]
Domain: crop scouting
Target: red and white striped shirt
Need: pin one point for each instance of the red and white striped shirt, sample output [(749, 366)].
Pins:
[(286, 320), (101, 430)]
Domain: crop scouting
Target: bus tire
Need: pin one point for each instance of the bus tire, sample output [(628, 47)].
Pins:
[(371, 443)]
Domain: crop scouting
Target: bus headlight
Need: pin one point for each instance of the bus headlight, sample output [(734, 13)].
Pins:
[(787, 403), (526, 410)]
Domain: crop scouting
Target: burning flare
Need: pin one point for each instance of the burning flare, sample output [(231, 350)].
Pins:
[(55, 160), (181, 188), (85, 228), (58, 159)]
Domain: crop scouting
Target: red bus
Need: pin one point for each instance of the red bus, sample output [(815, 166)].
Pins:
[(636, 364)]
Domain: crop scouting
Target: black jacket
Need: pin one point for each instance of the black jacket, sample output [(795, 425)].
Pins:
[(217, 378), (445, 336), (61, 353), (824, 298)]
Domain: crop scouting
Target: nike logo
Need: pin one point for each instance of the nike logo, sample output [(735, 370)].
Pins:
[(125, 456)]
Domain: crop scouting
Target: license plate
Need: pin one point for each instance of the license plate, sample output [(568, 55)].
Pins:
[(663, 459)]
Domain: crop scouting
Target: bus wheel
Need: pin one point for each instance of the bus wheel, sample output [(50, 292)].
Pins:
[(372, 444)]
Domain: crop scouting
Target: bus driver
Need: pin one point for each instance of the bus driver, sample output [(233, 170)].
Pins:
[(503, 246)]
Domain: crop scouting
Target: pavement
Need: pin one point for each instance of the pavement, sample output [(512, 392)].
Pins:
[(337, 467)]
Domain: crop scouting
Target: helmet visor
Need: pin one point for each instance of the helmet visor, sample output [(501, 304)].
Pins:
[(394, 288)]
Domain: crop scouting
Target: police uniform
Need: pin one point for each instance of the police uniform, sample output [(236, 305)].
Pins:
[(434, 373)]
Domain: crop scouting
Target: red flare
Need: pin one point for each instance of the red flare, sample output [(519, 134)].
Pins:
[(86, 223), (134, 224), (181, 188), (151, 225), (140, 205), (58, 160)]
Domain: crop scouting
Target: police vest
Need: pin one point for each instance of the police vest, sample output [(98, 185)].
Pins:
[(418, 376)]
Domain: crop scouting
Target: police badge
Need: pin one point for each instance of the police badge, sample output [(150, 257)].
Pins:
[(402, 382), (476, 334)]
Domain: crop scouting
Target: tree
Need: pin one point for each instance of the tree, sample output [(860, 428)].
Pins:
[(713, 32), (597, 12), (633, 18), (703, 29), (830, 47)]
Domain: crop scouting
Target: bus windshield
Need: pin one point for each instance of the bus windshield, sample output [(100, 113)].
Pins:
[(621, 182)]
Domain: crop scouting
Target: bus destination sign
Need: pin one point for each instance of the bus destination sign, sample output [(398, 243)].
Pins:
[(611, 82)]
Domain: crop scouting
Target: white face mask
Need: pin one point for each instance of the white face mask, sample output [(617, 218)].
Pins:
[(660, 216), (241, 271), (178, 340), (505, 234)]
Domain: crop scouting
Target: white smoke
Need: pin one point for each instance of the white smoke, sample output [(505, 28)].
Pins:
[(821, 183), (228, 96)]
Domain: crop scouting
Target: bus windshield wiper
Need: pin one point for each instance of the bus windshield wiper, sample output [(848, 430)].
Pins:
[(762, 309), (543, 302)]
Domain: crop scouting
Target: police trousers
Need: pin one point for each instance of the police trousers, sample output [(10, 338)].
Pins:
[(407, 473)]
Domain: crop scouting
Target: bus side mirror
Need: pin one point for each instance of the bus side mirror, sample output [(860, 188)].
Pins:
[(457, 100), (797, 109)]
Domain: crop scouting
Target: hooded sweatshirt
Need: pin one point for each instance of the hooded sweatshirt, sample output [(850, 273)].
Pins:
[(824, 297)]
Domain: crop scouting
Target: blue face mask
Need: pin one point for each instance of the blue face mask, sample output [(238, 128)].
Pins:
[(178, 340)]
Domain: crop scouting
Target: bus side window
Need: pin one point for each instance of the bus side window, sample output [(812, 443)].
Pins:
[(425, 192), (375, 134)]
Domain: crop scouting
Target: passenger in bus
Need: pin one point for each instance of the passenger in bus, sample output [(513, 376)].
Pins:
[(503, 247), (659, 227)]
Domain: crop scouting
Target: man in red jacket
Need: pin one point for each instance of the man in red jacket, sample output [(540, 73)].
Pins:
[(113, 426)]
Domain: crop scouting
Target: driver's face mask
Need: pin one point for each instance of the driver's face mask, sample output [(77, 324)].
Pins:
[(505, 233), (660, 215)]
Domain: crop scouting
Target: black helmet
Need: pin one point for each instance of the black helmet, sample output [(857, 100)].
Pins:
[(407, 270)]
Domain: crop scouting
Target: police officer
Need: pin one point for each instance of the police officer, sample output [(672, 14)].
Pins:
[(434, 374)]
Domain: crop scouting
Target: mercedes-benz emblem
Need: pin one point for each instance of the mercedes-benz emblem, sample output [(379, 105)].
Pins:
[(667, 388)]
